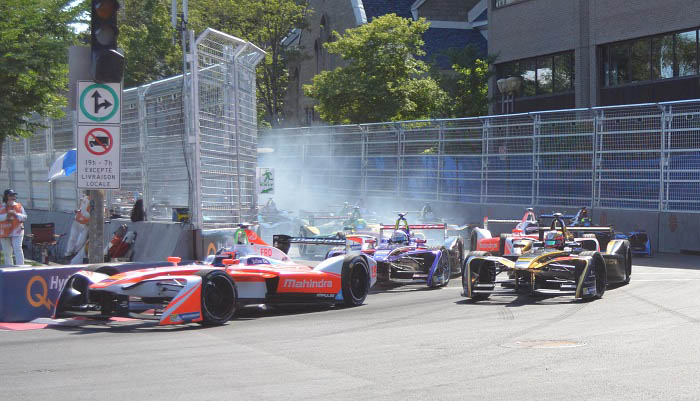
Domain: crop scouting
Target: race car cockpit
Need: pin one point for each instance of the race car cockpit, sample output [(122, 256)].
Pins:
[(399, 237)]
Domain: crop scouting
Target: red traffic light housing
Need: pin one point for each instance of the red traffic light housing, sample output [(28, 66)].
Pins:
[(107, 64)]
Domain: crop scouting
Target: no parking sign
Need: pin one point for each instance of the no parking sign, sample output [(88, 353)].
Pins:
[(98, 157)]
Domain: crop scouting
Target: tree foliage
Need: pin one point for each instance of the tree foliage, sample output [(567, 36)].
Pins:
[(34, 40), (466, 84), (151, 46), (384, 80), (265, 23)]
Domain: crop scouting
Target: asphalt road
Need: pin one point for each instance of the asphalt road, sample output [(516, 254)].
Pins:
[(640, 342)]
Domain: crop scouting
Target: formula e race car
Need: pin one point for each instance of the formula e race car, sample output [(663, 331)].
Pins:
[(247, 273), (352, 224), (639, 239), (482, 240), (406, 257), (563, 260), (274, 221)]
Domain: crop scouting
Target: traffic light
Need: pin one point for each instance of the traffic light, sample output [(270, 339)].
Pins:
[(107, 64)]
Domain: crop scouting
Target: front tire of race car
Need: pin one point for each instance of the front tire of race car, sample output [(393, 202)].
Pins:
[(355, 280), (597, 268), (443, 271), (628, 266), (219, 297), (475, 276)]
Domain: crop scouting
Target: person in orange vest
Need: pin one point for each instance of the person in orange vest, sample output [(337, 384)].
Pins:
[(12, 217), (79, 230)]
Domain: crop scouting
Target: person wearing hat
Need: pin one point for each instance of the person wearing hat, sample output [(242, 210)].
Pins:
[(12, 217)]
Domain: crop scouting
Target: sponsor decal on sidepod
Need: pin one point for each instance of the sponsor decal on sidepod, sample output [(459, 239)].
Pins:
[(294, 283)]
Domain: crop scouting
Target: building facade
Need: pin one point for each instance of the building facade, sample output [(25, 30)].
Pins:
[(587, 53), (453, 23)]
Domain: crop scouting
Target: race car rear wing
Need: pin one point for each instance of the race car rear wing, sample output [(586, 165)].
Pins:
[(284, 242)]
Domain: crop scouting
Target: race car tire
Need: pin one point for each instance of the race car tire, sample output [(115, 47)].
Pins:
[(460, 259), (74, 293), (355, 280), (473, 242), (219, 297), (443, 272), (628, 266), (466, 271), (601, 276), (502, 243)]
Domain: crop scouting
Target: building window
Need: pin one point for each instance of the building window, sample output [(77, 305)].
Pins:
[(687, 53), (503, 3), (563, 72), (543, 75), (662, 57), (650, 58)]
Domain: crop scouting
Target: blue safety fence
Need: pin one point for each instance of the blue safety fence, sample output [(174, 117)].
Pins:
[(643, 157)]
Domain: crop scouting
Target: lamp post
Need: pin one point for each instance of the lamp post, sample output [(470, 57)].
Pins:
[(508, 87)]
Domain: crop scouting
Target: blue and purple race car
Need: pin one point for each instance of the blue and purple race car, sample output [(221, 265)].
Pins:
[(420, 253)]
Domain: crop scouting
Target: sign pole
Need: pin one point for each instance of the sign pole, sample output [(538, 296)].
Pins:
[(96, 226)]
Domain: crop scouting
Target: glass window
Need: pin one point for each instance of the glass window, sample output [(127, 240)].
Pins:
[(662, 57), (639, 60), (544, 75), (527, 73), (563, 72), (686, 53), (618, 64)]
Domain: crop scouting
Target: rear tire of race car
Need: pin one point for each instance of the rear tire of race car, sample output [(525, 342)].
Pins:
[(502, 243), (466, 271), (443, 271), (219, 297), (601, 276), (355, 280)]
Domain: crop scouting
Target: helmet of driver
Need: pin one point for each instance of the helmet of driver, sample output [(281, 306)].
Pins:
[(554, 239), (399, 237)]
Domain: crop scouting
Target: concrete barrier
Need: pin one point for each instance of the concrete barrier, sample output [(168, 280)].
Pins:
[(27, 293), (155, 240)]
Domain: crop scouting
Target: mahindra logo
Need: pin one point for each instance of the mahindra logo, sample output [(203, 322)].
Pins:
[(293, 283)]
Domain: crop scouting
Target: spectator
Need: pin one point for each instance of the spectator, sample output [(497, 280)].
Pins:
[(12, 217), (79, 230), (137, 212)]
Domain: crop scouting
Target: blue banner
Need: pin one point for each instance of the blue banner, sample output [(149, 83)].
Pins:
[(30, 293)]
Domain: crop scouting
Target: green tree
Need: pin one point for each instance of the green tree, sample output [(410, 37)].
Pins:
[(264, 23), (384, 80), (151, 47), (34, 40), (466, 84)]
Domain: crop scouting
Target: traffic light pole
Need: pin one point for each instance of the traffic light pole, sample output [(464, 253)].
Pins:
[(96, 226)]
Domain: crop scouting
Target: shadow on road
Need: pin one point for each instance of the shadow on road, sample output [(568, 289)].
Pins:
[(668, 260)]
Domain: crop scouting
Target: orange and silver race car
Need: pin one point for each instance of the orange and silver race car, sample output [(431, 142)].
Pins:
[(482, 240), (250, 272)]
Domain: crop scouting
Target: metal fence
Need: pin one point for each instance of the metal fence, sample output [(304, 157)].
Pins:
[(644, 157), (170, 159)]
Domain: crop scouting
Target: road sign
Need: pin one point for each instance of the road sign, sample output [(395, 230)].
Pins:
[(266, 180), (99, 157), (99, 103)]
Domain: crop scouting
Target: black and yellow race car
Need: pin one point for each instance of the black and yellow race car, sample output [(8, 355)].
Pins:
[(578, 261)]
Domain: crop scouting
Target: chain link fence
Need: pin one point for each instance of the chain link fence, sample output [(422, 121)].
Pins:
[(639, 157), (163, 160)]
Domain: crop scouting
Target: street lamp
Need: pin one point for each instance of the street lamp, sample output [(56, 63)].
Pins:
[(508, 87)]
